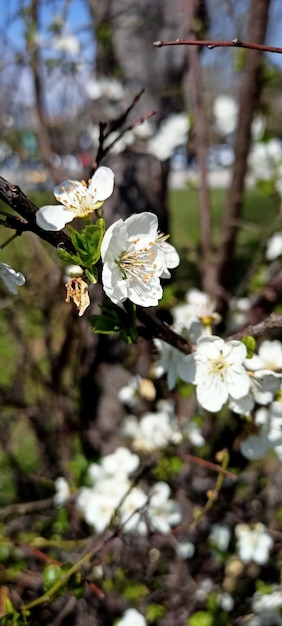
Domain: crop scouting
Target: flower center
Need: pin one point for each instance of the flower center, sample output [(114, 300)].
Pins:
[(219, 365), (137, 263)]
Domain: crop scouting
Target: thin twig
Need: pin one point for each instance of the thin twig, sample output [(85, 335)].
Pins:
[(210, 44)]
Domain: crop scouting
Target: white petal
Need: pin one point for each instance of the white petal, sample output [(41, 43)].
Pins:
[(53, 217), (102, 183), (11, 278), (212, 393), (142, 223)]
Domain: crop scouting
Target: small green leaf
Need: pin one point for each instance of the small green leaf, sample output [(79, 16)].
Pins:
[(250, 344), (200, 618), (92, 275), (71, 259), (51, 575)]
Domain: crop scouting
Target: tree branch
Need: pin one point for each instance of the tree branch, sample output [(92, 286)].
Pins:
[(210, 44)]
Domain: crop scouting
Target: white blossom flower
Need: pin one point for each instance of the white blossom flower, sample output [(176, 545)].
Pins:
[(153, 431), (274, 246), (120, 462), (263, 385), (66, 43), (265, 158), (185, 549), (11, 278), (134, 260), (196, 316), (137, 388), (253, 544), (163, 512), (216, 368), (267, 608), (131, 511), (269, 357), (105, 87), (131, 617), (77, 200), (62, 491), (173, 132), (220, 536), (168, 362), (225, 110)]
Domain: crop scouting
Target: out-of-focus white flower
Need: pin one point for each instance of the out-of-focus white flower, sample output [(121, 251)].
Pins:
[(163, 512), (274, 247), (173, 132), (225, 110), (253, 544), (66, 43), (185, 550), (134, 260), (226, 601), (263, 385), (131, 617), (264, 159), (153, 431), (269, 436), (269, 357), (104, 87), (216, 368), (131, 511), (62, 491), (77, 200), (239, 309), (137, 388), (220, 537), (258, 127), (11, 278), (267, 608), (196, 316), (121, 462), (144, 131), (168, 362)]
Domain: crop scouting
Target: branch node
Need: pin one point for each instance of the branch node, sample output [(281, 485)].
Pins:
[(236, 42), (158, 44)]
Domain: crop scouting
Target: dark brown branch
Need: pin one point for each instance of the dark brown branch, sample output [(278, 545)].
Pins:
[(210, 44), (271, 323), (17, 200)]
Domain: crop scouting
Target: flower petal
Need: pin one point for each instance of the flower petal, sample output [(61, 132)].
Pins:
[(102, 184), (53, 217)]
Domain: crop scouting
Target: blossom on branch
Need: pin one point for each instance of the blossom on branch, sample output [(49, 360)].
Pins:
[(217, 369), (135, 257), (11, 278), (78, 199)]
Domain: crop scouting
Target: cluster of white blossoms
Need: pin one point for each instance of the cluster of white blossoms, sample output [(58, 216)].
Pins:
[(219, 369), (113, 497), (156, 430), (134, 253)]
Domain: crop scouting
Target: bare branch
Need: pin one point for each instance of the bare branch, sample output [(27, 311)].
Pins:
[(210, 44)]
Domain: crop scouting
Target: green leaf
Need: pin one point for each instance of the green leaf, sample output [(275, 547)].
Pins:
[(200, 618), (250, 344), (71, 259), (88, 242), (115, 319), (155, 612), (92, 275)]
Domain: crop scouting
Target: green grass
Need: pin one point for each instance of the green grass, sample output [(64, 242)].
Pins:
[(260, 213)]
